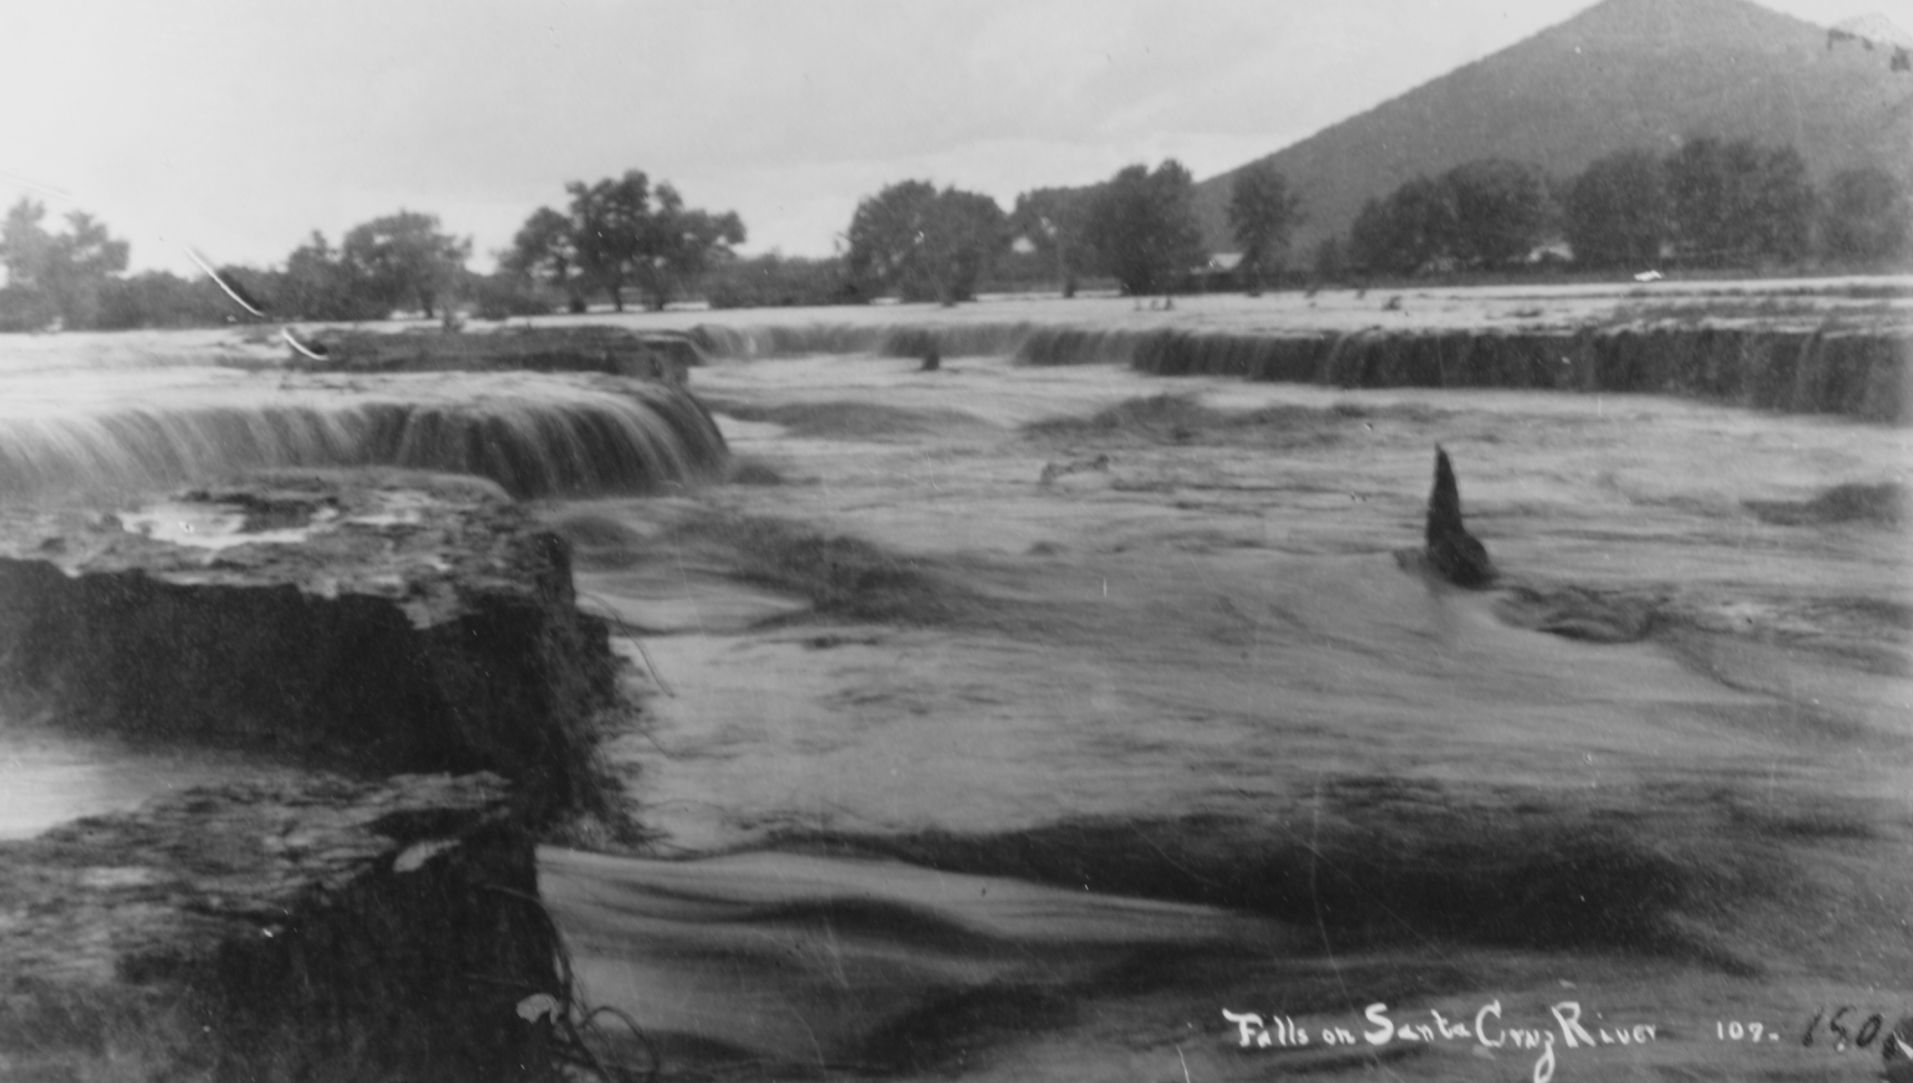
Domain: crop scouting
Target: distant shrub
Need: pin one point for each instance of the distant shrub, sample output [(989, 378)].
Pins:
[(503, 296), (24, 310), (773, 281), (160, 299)]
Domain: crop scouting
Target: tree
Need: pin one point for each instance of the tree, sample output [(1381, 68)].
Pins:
[(1702, 191), (1782, 201), (1866, 216), (61, 274), (608, 221), (1736, 202), (1371, 237), (1330, 258), (775, 279), (318, 284), (680, 244), (25, 245), (1143, 227), (1262, 214), (614, 236), (972, 232), (1617, 211), (405, 256), (163, 299), (887, 235), (1500, 208), (1413, 227), (1055, 221), (925, 244), (544, 248)]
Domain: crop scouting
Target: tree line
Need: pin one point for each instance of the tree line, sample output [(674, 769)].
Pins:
[(1140, 229), (616, 236), (1709, 204)]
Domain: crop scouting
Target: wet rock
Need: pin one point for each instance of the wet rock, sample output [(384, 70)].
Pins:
[(659, 356), (374, 623), (1578, 613), (932, 360), (315, 929), (1452, 553), (1055, 470), (1884, 504)]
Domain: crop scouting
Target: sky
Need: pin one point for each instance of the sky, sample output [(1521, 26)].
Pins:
[(240, 126)]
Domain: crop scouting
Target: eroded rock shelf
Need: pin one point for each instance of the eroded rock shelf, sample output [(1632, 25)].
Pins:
[(411, 643)]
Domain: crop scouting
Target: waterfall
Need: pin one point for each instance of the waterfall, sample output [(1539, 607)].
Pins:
[(536, 435), (756, 341)]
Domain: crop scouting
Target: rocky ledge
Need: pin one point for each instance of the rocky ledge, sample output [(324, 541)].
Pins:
[(315, 930), (408, 646), (657, 355), (370, 623)]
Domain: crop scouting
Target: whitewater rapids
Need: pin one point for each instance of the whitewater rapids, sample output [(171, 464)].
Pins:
[(67, 433)]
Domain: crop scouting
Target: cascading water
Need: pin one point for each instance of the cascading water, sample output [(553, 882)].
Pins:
[(757, 341), (536, 435)]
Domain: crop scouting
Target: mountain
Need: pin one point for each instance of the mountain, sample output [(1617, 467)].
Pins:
[(1877, 29), (1624, 73)]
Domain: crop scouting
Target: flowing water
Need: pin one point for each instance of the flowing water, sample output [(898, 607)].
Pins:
[(1094, 730), (1180, 658), (109, 420), (68, 432)]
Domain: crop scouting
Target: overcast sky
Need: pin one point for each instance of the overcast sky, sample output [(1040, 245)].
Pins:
[(240, 126)]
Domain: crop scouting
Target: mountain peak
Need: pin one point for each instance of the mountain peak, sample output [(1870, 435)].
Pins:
[(1876, 28), (1622, 74), (1654, 27)]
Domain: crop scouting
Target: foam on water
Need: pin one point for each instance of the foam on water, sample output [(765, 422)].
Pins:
[(208, 526)]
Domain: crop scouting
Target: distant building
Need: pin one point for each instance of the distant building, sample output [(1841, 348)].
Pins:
[(1222, 274), (1550, 252)]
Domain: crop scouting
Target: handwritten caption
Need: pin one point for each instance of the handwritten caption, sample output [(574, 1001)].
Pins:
[(1486, 1027), (1568, 1025)]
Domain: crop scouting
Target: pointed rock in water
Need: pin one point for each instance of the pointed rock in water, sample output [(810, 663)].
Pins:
[(1453, 553)]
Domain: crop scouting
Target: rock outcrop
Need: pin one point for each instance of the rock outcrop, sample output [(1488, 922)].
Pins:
[(408, 648), (373, 623), (1451, 552), (312, 930), (1883, 504), (660, 356), (1593, 616)]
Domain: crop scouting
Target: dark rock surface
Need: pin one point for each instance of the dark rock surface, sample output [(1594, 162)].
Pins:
[(1883, 504), (374, 623), (661, 356), (313, 930), (1594, 616), (409, 647), (1452, 552)]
